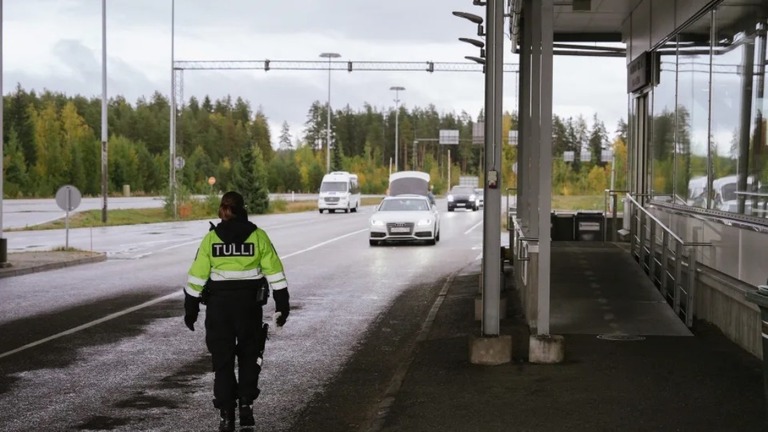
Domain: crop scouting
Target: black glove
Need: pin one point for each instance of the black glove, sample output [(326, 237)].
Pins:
[(191, 309), (282, 305)]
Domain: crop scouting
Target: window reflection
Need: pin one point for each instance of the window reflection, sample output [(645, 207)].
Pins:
[(692, 116), (708, 133), (738, 143), (663, 122)]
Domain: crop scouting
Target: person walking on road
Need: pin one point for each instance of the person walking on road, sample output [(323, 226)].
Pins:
[(233, 271)]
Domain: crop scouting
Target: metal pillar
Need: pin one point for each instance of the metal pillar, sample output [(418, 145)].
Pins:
[(546, 27), (3, 241), (536, 147), (172, 143), (397, 90), (492, 213), (524, 143), (104, 135)]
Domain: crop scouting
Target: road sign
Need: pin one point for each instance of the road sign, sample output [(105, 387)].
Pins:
[(478, 133), (449, 136), (179, 162), (68, 198)]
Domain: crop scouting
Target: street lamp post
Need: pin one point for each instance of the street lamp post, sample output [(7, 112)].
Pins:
[(397, 90), (104, 134), (3, 240), (329, 56)]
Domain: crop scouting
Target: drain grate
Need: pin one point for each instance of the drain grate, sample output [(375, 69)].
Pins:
[(620, 337)]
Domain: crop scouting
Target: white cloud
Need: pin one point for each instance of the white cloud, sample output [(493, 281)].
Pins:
[(56, 44)]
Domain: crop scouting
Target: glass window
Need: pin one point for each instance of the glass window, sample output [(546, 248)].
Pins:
[(331, 186), (738, 163), (662, 131), (708, 131), (692, 115)]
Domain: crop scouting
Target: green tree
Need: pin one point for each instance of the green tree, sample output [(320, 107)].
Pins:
[(337, 157), (14, 168), (75, 132), (17, 116), (123, 163), (261, 136), (51, 160), (285, 137), (249, 178), (314, 127), (598, 139)]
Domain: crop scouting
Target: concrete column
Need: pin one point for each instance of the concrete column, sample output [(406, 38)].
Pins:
[(524, 163), (546, 14), (492, 348), (533, 22)]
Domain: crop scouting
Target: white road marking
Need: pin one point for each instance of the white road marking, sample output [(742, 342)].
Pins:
[(151, 302), (323, 243), (90, 324), (472, 228)]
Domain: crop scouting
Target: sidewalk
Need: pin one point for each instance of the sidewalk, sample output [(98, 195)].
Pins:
[(20, 263), (667, 380), (696, 383)]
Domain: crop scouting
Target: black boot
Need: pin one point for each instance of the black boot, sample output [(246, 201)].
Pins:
[(227, 422), (246, 414)]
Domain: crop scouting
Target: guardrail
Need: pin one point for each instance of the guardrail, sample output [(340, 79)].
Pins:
[(663, 257)]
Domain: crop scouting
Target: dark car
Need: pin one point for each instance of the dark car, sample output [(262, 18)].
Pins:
[(462, 197)]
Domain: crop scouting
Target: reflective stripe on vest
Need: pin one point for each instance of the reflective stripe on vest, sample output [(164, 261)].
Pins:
[(222, 275)]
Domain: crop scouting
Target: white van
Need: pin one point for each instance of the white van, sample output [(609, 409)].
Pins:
[(339, 191), (726, 197)]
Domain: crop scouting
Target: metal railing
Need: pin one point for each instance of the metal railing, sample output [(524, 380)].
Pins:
[(610, 205), (663, 255), (510, 222)]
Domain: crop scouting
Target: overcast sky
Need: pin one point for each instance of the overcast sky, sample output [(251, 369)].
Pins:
[(56, 45)]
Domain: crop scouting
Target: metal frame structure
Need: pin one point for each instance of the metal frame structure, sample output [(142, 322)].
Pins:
[(179, 66)]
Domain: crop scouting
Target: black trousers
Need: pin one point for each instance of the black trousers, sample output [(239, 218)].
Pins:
[(232, 329)]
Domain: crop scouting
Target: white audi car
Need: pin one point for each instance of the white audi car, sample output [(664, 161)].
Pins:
[(407, 217)]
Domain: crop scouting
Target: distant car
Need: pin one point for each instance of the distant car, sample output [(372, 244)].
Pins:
[(479, 198), (407, 217), (462, 197)]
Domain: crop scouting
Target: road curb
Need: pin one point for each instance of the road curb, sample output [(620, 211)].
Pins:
[(11, 271)]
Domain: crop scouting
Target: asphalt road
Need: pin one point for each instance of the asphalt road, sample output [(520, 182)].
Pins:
[(21, 213), (103, 347)]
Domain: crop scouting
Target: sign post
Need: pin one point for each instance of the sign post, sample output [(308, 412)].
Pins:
[(68, 198)]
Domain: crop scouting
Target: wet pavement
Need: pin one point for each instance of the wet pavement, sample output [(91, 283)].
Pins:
[(414, 374)]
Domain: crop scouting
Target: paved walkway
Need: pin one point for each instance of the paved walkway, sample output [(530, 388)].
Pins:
[(668, 380), (664, 378)]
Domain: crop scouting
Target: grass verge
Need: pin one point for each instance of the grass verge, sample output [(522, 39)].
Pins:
[(194, 211)]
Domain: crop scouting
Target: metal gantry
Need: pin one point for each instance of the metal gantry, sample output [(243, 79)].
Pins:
[(343, 65), (179, 66)]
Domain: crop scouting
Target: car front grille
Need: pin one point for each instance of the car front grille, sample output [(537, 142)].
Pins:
[(331, 199), (399, 228)]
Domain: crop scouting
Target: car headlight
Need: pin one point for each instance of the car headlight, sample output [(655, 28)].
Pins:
[(424, 222), (472, 197), (450, 198), (376, 222)]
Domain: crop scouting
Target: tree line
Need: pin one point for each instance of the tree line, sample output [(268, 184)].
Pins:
[(52, 139)]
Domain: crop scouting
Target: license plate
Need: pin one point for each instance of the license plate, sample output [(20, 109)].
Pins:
[(400, 230)]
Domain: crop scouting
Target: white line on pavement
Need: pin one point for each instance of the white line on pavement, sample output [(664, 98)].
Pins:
[(149, 303)]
